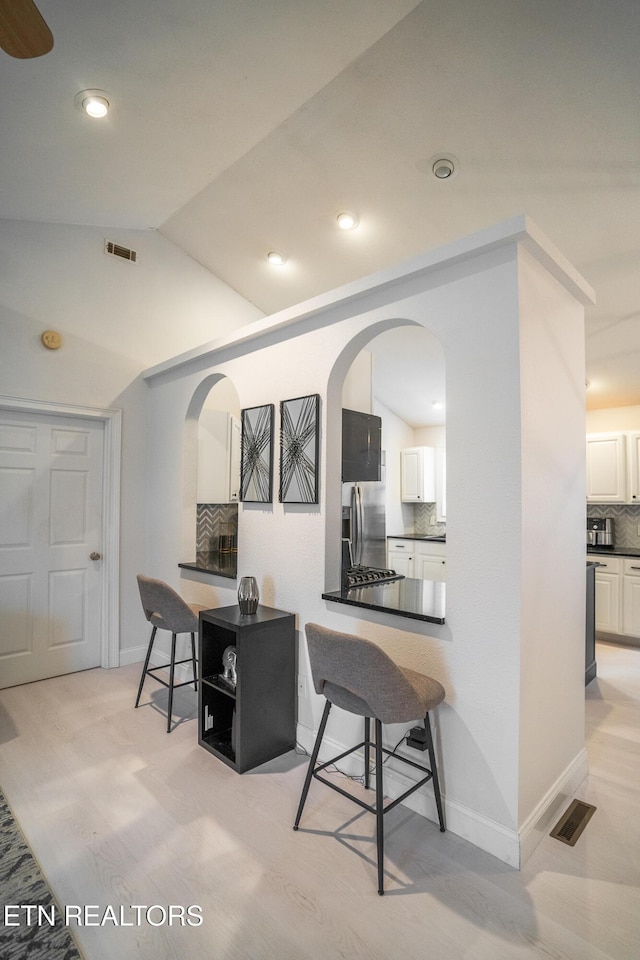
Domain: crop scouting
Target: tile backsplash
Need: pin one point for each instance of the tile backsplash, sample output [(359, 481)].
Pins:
[(217, 527), (422, 516), (626, 520)]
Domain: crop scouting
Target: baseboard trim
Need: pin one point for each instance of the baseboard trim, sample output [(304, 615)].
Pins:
[(159, 659), (542, 818), (617, 638), (132, 655), (490, 836), (511, 846)]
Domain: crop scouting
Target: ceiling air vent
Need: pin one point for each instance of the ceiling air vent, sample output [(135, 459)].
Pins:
[(116, 250)]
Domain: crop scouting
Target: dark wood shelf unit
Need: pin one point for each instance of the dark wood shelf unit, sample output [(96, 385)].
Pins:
[(255, 722)]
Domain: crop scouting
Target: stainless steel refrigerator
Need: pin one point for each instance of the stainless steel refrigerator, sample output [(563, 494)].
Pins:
[(363, 522)]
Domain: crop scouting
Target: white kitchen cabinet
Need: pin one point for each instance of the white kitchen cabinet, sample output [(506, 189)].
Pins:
[(400, 556), (430, 561), (441, 485), (606, 468), (218, 457), (633, 459), (424, 560), (630, 597), (418, 475), (608, 592)]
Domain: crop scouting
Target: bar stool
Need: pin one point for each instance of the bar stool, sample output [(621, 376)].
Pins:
[(166, 610), (356, 675)]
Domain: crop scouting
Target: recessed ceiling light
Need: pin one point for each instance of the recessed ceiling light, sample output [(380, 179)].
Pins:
[(443, 168), (347, 221), (275, 258), (95, 103)]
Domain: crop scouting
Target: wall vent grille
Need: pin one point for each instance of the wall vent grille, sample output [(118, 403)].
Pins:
[(572, 822), (117, 250)]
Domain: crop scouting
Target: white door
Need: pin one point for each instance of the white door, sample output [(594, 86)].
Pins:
[(50, 545)]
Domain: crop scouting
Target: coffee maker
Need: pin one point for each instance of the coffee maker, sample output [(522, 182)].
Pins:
[(599, 532)]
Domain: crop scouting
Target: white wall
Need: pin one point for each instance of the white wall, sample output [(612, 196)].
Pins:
[(490, 784), (357, 390), (612, 420), (430, 436), (116, 318), (396, 435), (553, 499)]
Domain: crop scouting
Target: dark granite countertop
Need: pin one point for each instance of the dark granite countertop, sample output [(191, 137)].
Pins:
[(614, 551), (220, 564), (418, 536), (415, 599)]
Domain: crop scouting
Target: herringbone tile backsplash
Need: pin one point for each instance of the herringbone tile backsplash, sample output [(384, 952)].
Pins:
[(216, 527), (626, 520), (422, 515)]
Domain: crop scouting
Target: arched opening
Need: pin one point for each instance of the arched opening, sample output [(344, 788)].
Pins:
[(212, 476), (394, 370)]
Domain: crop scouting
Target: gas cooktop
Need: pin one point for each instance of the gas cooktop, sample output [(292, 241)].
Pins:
[(367, 576)]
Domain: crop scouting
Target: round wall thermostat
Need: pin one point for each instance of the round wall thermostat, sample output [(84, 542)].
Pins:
[(51, 339)]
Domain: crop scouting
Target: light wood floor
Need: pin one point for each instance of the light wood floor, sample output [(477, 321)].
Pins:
[(119, 813)]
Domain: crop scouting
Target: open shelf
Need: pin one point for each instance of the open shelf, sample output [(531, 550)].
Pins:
[(220, 742), (217, 683), (261, 708)]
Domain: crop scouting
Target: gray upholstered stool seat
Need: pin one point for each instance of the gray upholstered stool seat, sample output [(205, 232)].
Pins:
[(357, 676), (166, 610)]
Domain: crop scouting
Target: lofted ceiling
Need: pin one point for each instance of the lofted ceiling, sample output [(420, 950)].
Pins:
[(246, 126)]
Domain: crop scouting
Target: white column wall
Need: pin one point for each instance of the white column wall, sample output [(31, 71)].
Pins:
[(475, 310), (552, 641)]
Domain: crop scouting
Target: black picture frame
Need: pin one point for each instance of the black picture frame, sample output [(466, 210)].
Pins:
[(300, 449), (256, 462)]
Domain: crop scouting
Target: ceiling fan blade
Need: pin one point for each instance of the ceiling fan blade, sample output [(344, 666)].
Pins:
[(23, 32)]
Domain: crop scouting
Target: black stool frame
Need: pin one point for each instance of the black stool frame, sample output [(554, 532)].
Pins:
[(151, 671), (379, 809)]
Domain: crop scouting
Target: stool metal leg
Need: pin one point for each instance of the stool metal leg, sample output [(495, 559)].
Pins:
[(434, 773), (193, 660), (172, 667), (379, 808), (146, 664), (367, 748), (312, 762)]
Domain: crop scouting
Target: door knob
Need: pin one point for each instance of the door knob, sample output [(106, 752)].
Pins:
[(95, 556)]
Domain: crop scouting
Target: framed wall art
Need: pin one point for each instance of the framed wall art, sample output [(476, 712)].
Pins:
[(256, 462), (299, 449)]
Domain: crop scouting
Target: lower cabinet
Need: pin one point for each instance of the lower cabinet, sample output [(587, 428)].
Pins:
[(246, 695), (608, 589), (430, 565), (617, 595), (631, 598), (400, 556), (423, 560)]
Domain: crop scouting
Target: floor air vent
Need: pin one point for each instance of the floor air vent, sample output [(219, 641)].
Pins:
[(116, 250), (572, 822)]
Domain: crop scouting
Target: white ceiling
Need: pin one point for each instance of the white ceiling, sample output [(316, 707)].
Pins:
[(240, 127)]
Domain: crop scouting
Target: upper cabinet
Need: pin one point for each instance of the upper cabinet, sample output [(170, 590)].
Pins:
[(361, 446), (633, 454), (613, 467), (606, 468), (418, 475), (441, 485)]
